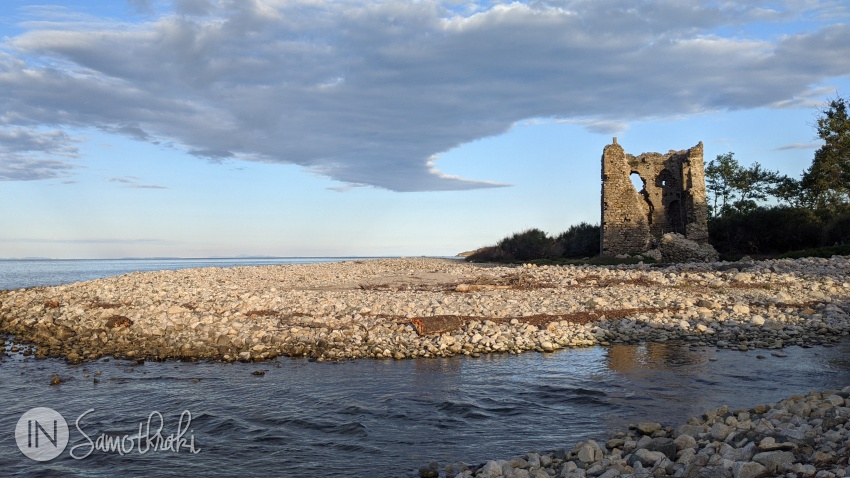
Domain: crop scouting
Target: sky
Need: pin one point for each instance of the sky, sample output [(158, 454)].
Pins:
[(199, 128)]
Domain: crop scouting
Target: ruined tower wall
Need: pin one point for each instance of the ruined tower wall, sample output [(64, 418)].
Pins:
[(697, 229), (672, 198), (625, 226)]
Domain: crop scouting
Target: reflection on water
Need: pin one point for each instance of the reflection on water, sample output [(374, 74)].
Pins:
[(688, 380), (387, 418), (622, 358)]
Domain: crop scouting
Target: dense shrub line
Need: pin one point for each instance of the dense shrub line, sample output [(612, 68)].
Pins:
[(778, 230), (762, 231), (579, 241)]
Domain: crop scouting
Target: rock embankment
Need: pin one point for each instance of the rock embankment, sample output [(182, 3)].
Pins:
[(801, 436), (403, 308)]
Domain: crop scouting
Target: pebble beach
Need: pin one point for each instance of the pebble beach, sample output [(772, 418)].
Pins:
[(800, 436), (422, 307)]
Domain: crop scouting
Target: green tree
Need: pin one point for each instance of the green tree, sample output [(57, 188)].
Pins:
[(827, 181), (720, 177), (788, 190), (752, 185), (739, 189)]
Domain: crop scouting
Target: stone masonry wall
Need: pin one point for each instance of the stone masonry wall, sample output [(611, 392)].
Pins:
[(672, 198)]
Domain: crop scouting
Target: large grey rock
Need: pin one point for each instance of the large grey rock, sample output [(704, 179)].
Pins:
[(643, 442), (692, 430), (686, 456), (648, 428), (770, 444), (588, 452), (748, 469), (716, 472), (492, 469), (517, 473), (684, 441), (663, 445), (646, 457), (719, 431), (571, 470), (677, 248), (696, 465), (615, 443), (745, 453), (538, 473), (775, 461)]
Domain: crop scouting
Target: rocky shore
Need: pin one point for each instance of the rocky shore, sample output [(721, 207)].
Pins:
[(405, 308), (801, 436)]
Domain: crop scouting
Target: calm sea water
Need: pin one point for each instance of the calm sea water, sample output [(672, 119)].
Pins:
[(384, 418), (17, 274)]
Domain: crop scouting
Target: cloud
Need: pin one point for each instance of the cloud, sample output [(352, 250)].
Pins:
[(28, 140), (148, 186), (86, 241), (141, 7), (800, 146), (133, 131), (345, 188), (133, 182), (211, 154), (599, 126), (193, 7), (21, 169), (367, 93), (28, 154)]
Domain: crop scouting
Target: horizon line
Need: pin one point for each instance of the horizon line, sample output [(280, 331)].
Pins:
[(37, 258)]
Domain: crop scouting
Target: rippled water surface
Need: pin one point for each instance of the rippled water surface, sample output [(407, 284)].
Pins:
[(388, 418)]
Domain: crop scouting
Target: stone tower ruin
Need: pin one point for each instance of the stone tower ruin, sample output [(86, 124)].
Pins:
[(672, 199)]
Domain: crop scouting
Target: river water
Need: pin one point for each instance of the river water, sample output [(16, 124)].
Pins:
[(382, 418)]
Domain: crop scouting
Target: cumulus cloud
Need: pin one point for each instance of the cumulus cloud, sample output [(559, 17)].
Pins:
[(367, 93), (28, 154), (24, 169), (133, 131)]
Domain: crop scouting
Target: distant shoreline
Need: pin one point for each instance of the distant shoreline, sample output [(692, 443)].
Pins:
[(20, 273), (177, 258)]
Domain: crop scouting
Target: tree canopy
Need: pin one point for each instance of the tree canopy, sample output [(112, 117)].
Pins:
[(824, 186), (826, 183), (736, 188)]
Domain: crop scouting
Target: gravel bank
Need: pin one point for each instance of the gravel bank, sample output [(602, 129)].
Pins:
[(403, 308), (801, 436)]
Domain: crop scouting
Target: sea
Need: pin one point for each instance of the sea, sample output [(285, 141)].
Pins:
[(21, 273), (362, 418)]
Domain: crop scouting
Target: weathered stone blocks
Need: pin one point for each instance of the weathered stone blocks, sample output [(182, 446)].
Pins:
[(672, 199)]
